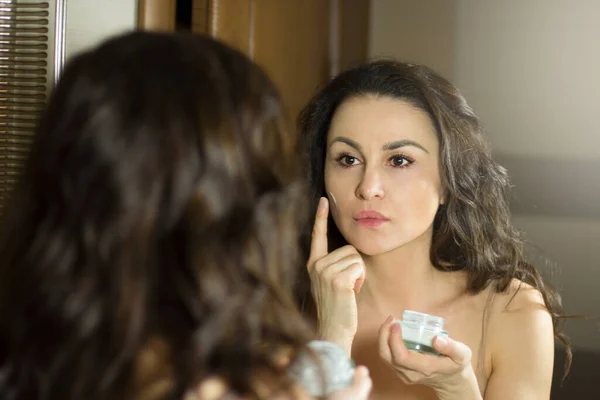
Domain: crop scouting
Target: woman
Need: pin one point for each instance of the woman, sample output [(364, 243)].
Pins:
[(413, 215), (149, 249)]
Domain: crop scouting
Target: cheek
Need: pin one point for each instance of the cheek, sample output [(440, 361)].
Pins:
[(336, 181), (421, 185), (428, 189), (339, 192), (334, 194), (420, 200)]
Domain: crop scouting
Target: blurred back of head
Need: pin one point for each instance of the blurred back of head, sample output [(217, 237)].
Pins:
[(152, 240)]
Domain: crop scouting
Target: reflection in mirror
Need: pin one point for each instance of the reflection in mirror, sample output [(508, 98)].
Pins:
[(529, 69)]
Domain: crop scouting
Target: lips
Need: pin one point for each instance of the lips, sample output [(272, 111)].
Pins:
[(370, 214), (370, 219)]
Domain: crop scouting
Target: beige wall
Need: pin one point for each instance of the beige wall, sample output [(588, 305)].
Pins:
[(91, 21), (530, 71), (571, 244), (397, 30)]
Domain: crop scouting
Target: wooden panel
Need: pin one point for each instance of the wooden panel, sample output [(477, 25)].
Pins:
[(354, 16), (291, 41), (156, 15), (200, 16), (230, 21)]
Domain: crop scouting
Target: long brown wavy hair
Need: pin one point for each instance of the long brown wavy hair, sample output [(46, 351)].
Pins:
[(473, 229), (152, 241)]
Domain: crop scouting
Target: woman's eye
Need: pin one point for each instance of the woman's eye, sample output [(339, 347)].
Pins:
[(348, 161), (400, 161)]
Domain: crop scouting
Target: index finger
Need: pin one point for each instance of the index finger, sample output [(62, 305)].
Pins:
[(318, 245)]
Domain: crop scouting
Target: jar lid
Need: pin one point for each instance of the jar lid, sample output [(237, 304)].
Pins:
[(427, 320)]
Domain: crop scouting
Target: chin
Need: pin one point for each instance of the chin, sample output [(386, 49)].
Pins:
[(371, 251), (370, 246)]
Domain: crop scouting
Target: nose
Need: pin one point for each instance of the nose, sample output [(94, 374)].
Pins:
[(371, 186)]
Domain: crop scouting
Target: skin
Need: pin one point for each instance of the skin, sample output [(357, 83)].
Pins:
[(383, 155)]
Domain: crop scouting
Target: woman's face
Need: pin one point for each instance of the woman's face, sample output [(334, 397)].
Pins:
[(382, 173)]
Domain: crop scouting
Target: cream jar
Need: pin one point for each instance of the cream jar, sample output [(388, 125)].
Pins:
[(419, 331), (322, 368)]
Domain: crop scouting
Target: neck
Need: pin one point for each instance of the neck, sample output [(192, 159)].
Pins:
[(405, 278)]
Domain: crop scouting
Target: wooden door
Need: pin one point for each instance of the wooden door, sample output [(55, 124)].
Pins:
[(300, 43)]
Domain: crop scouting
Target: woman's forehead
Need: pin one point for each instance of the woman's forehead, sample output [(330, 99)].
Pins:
[(376, 121)]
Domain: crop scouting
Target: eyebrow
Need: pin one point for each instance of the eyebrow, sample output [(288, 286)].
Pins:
[(403, 143), (386, 147)]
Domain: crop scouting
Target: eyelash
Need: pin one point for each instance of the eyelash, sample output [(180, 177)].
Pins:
[(344, 156)]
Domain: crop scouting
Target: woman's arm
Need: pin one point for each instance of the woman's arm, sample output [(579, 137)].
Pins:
[(522, 349)]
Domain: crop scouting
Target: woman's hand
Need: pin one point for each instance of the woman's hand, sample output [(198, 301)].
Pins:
[(360, 388), (335, 277), (451, 376)]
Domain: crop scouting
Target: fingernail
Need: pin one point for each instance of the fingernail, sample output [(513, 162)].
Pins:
[(441, 341), (323, 202), (395, 328), (389, 319)]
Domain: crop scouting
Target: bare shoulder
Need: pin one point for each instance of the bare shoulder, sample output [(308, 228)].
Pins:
[(520, 297), (520, 312), (521, 338)]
